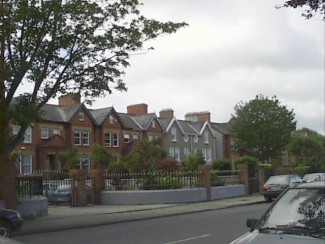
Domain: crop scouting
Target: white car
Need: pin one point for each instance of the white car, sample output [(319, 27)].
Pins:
[(314, 177), (296, 217)]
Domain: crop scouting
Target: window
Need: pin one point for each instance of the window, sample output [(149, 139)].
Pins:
[(77, 137), (112, 119), (24, 164), (85, 138), (174, 152), (150, 137), (56, 131), (44, 133), (206, 137), (153, 124), (84, 162), (81, 116), (135, 137), (111, 139), (187, 152), (28, 133), (185, 138), (126, 138), (81, 137), (196, 139), (207, 154), (174, 136)]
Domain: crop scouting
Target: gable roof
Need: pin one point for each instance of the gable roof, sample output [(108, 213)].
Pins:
[(100, 114), (145, 120), (128, 122)]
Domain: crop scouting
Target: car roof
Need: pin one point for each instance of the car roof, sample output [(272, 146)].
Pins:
[(314, 184)]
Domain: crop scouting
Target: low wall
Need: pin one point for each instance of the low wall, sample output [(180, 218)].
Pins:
[(32, 207), (170, 196), (153, 196), (229, 191)]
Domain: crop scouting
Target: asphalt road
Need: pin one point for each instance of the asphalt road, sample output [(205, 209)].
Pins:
[(218, 226)]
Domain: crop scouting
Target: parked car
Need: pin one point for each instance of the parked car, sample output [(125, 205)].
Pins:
[(297, 216), (276, 184), (314, 177), (48, 191), (63, 194), (10, 222)]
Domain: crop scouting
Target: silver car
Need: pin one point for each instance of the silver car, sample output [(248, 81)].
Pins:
[(297, 217), (314, 177)]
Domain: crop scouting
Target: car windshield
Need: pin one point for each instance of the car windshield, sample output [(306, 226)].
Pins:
[(311, 177), (279, 179), (300, 209)]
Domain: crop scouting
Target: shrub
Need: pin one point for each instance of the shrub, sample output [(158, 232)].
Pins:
[(301, 170), (221, 165), (167, 165)]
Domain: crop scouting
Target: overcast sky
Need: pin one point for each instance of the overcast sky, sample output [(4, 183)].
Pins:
[(230, 52)]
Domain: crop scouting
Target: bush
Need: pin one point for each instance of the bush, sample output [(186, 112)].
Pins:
[(116, 168), (250, 161), (161, 182), (301, 170), (169, 165), (221, 165), (215, 179)]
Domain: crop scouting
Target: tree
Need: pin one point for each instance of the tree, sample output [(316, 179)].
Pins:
[(70, 158), (311, 7), (307, 147), (100, 156), (59, 47), (262, 127), (143, 156), (192, 163)]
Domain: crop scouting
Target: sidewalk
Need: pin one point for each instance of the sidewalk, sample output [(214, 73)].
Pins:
[(65, 217)]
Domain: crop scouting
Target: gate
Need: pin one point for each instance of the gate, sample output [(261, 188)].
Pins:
[(253, 184)]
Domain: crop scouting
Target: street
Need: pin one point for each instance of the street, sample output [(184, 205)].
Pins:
[(218, 226)]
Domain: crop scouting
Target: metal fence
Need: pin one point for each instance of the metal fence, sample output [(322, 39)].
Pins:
[(29, 186), (152, 180), (226, 177)]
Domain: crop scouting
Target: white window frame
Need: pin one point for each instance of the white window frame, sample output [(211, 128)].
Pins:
[(81, 116), (84, 162), (24, 164), (174, 152), (187, 152), (44, 133), (115, 139), (207, 152), (174, 134), (77, 137), (85, 137), (28, 133), (126, 137), (153, 124), (108, 139), (206, 137), (111, 139), (56, 131), (135, 137)]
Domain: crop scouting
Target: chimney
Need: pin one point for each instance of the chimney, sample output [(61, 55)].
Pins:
[(166, 113), (137, 109), (70, 99), (198, 116)]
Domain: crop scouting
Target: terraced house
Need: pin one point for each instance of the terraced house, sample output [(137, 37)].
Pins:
[(71, 123)]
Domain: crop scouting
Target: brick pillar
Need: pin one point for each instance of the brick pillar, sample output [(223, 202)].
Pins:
[(205, 178), (78, 184), (97, 176), (261, 177), (243, 176), (9, 185)]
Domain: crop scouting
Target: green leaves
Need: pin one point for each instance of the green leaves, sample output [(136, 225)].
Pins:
[(262, 127)]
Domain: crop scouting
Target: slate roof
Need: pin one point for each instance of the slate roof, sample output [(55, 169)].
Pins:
[(100, 114), (56, 113), (144, 120), (128, 121)]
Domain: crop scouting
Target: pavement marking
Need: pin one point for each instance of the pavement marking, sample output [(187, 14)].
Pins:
[(189, 239)]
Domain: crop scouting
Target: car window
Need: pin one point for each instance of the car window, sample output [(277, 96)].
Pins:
[(298, 207), (279, 179)]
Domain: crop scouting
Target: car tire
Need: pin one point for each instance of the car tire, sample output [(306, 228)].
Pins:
[(268, 199), (5, 229)]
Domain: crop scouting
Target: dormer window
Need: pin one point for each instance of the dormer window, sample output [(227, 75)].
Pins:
[(112, 119), (81, 116)]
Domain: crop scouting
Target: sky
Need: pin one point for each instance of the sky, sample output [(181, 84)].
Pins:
[(230, 52)]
